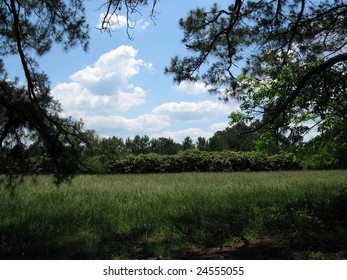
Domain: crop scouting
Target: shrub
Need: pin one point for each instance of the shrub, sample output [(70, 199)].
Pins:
[(203, 161)]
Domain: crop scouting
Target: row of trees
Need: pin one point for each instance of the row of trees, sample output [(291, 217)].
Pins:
[(228, 139), (227, 150)]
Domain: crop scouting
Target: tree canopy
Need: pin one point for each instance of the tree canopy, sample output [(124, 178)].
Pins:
[(284, 59)]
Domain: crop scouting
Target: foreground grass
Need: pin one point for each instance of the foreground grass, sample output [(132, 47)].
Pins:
[(188, 215)]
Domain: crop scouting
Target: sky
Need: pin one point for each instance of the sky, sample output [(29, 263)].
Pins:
[(118, 87)]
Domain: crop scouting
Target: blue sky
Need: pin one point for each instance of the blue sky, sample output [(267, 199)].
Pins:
[(118, 88)]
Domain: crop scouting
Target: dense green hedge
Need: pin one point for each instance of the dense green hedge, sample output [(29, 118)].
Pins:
[(202, 161), (192, 160)]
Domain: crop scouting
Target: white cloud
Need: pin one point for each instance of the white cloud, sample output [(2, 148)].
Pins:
[(219, 126), (111, 72), (126, 100), (114, 22), (104, 88), (75, 98), (142, 24), (192, 111), (144, 123), (193, 88), (100, 93)]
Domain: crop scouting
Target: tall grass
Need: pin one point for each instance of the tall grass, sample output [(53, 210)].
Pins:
[(144, 216)]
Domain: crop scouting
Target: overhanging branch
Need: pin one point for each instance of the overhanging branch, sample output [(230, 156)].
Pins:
[(301, 84)]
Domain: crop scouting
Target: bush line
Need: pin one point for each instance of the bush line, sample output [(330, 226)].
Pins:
[(192, 160), (203, 161)]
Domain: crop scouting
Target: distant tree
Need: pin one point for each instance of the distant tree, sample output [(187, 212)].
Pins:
[(202, 143), (164, 146), (138, 145), (97, 155), (111, 147), (187, 143), (234, 138), (326, 150), (218, 142)]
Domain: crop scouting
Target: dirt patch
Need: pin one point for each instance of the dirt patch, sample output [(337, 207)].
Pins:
[(255, 249)]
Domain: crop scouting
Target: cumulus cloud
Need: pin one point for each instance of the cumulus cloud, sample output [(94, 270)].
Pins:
[(111, 72), (74, 97), (100, 94), (144, 123), (193, 88), (192, 110), (105, 86)]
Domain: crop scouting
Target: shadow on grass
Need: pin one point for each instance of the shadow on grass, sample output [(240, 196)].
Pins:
[(25, 244), (64, 238), (305, 229), (300, 230)]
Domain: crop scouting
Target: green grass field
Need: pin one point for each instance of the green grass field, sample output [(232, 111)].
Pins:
[(265, 215)]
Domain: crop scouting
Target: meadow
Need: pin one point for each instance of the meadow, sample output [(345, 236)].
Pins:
[(237, 215)]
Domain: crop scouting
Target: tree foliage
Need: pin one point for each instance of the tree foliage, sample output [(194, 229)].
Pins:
[(28, 30), (232, 138), (23, 121), (292, 56)]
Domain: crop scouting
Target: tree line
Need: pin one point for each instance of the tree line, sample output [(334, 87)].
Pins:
[(236, 148)]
